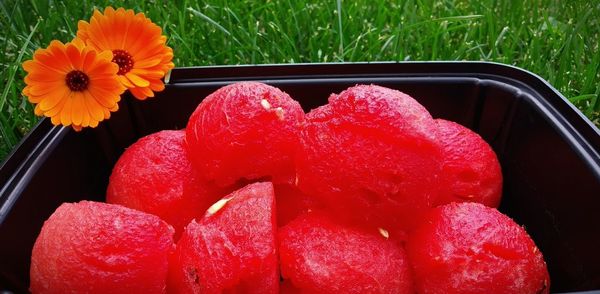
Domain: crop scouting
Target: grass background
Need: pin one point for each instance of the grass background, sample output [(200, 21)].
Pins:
[(558, 40)]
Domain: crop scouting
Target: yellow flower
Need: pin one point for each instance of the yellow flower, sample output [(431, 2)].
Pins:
[(137, 44), (72, 84)]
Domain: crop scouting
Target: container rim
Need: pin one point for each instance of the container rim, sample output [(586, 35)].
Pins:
[(180, 74)]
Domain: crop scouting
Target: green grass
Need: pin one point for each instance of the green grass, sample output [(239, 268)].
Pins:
[(555, 39)]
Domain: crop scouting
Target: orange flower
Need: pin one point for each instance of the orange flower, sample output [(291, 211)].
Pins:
[(137, 44), (72, 84)]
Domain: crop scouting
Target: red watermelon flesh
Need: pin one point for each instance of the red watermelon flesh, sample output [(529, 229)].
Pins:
[(245, 131), (286, 287), (291, 203), (91, 247), (154, 175), (232, 248), (320, 256), (470, 170), (371, 155), (471, 248)]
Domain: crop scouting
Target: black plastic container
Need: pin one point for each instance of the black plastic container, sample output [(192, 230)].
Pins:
[(549, 151)]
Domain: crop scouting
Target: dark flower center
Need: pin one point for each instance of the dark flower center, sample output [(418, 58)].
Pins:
[(124, 60), (77, 80)]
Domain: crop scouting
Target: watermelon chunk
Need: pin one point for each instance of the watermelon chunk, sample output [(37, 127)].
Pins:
[(245, 131), (470, 169), (154, 175), (371, 155), (471, 248), (320, 256), (232, 248), (91, 247)]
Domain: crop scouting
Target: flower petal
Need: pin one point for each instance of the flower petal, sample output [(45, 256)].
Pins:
[(109, 11), (95, 32), (82, 30), (141, 93), (93, 107), (77, 42), (157, 85), (89, 60), (85, 121), (55, 120), (137, 80), (77, 108), (41, 77), (106, 113), (148, 74), (66, 113), (111, 84), (106, 55), (25, 91), (103, 97), (29, 66), (34, 99), (48, 62), (74, 56), (58, 52), (147, 35), (38, 111), (40, 89), (102, 68), (51, 100), (55, 111), (126, 82), (148, 62)]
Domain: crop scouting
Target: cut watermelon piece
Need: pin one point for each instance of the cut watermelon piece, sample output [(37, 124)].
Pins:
[(470, 169), (154, 175), (232, 248), (245, 131), (471, 248), (320, 256), (91, 247), (371, 155)]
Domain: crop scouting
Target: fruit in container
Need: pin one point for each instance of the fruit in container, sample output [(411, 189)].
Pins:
[(471, 248), (154, 175), (358, 203), (232, 248), (470, 169), (245, 131), (318, 255), (371, 155), (91, 247)]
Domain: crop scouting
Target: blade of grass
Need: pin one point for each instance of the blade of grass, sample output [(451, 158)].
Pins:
[(340, 29), (15, 66), (582, 97), (210, 20)]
